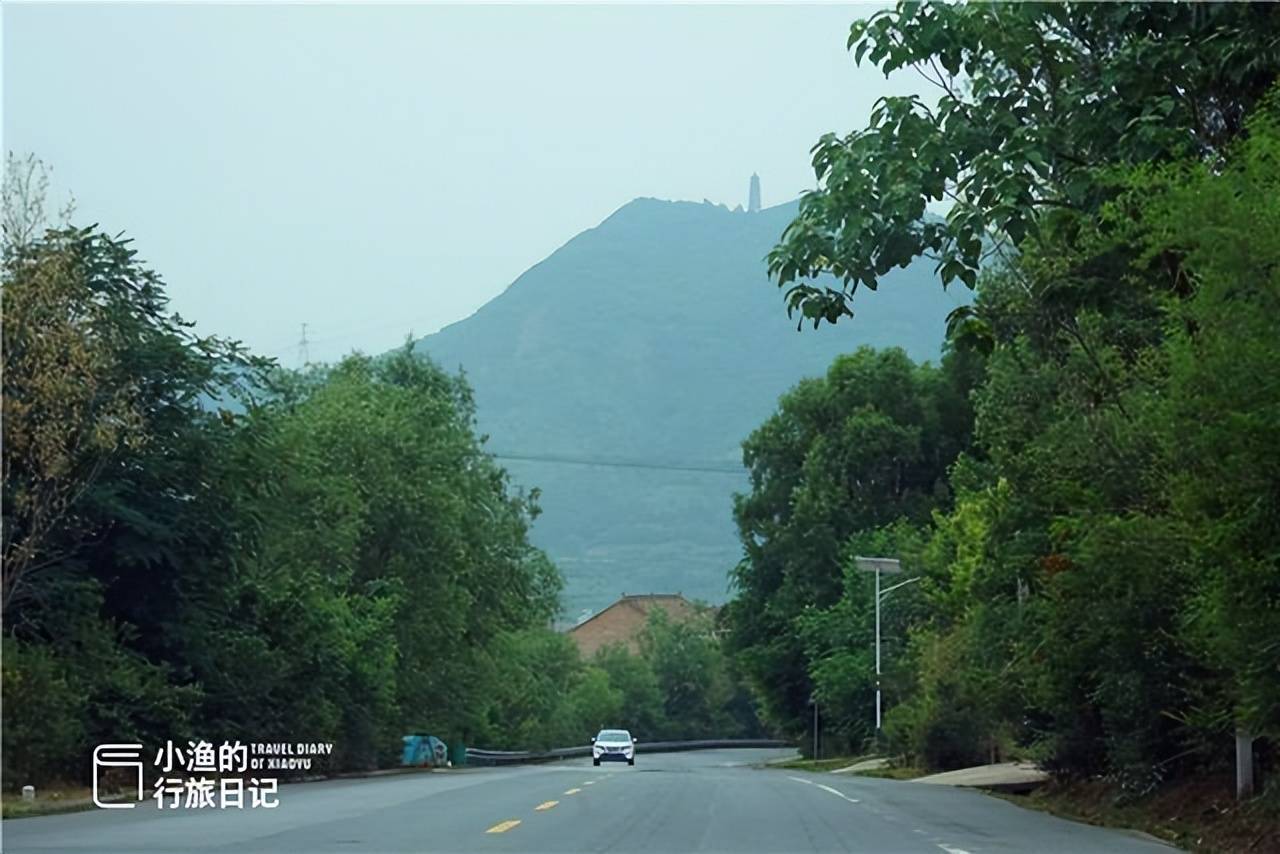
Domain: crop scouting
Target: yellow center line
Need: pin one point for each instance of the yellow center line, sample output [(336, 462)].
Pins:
[(546, 805), (503, 826), (572, 791)]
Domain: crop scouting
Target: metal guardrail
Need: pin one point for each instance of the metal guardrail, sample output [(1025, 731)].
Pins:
[(476, 756)]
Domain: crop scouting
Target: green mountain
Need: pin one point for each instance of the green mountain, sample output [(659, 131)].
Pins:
[(655, 343)]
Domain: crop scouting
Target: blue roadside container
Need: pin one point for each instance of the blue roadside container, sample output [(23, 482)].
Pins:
[(416, 751), (423, 751), (437, 752)]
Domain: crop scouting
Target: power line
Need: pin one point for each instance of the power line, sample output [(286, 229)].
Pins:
[(617, 463)]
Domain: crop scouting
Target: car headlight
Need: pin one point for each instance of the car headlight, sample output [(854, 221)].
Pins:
[(596, 750)]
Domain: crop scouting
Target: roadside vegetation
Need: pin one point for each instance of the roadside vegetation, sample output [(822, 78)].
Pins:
[(825, 764), (1197, 814), (199, 544), (1085, 486), (50, 801)]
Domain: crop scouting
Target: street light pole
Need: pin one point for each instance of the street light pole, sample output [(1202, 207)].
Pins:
[(877, 647), (877, 565)]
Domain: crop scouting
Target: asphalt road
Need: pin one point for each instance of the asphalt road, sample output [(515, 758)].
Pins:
[(705, 801)]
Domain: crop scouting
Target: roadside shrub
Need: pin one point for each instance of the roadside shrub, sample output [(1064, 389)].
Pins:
[(43, 716)]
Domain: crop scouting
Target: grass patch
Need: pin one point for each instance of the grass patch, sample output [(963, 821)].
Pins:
[(49, 800), (817, 764), (1199, 814), (906, 772), (893, 772)]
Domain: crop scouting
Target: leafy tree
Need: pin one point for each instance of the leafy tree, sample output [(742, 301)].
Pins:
[(200, 548), (111, 487), (409, 521), (530, 704), (643, 709), (1101, 589), (1100, 593), (865, 446), (839, 640), (44, 738), (1037, 103), (64, 418), (691, 673), (592, 702), (1218, 229)]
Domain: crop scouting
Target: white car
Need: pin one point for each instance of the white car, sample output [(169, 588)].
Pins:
[(613, 745)]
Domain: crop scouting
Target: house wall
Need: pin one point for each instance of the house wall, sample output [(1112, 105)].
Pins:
[(624, 620)]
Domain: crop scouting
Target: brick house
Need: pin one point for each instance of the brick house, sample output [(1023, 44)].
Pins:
[(623, 621)]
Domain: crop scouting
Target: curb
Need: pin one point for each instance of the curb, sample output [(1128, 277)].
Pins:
[(1143, 835), (361, 775)]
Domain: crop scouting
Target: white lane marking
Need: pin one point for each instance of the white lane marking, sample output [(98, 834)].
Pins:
[(837, 793), (951, 850)]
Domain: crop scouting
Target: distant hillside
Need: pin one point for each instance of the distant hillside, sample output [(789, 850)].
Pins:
[(655, 339)]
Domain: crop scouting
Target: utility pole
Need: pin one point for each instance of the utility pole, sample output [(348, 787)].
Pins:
[(813, 701), (1244, 764), (304, 350)]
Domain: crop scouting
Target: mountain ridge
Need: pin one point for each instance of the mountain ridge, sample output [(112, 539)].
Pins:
[(655, 338)]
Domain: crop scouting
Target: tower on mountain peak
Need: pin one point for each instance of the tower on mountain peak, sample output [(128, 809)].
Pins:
[(753, 195)]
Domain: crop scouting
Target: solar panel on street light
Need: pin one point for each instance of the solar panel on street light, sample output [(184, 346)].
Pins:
[(881, 564)]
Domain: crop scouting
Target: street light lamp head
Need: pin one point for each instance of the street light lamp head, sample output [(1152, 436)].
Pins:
[(878, 564)]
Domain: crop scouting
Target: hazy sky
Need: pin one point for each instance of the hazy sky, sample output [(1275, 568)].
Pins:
[(375, 169)]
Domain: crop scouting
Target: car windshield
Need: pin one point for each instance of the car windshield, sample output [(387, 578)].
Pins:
[(613, 735)]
